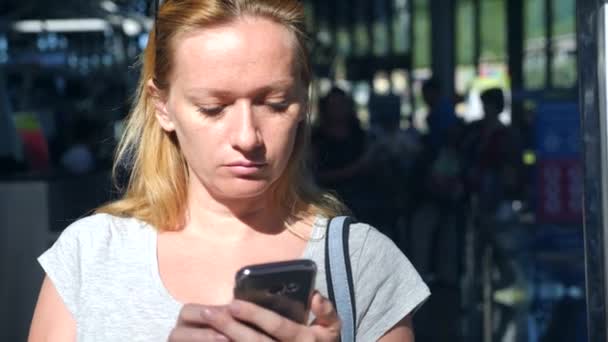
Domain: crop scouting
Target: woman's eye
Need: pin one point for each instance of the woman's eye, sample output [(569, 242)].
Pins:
[(278, 106), (211, 110)]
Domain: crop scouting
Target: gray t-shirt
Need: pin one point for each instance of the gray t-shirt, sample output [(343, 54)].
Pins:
[(105, 270)]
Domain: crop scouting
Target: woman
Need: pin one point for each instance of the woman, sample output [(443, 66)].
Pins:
[(217, 141)]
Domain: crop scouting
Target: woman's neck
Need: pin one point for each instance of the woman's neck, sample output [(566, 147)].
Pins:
[(231, 219)]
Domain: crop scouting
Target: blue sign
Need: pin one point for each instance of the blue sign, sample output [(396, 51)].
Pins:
[(558, 131)]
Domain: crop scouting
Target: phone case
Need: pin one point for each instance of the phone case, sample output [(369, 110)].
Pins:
[(283, 287)]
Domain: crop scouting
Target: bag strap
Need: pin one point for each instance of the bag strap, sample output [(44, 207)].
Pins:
[(339, 277)]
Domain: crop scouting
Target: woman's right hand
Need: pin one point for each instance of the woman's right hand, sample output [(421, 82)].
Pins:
[(191, 325), (196, 323), (244, 322)]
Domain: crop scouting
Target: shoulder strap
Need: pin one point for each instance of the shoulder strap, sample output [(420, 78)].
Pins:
[(338, 273)]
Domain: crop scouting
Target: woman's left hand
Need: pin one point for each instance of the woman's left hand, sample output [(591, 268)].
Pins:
[(232, 322)]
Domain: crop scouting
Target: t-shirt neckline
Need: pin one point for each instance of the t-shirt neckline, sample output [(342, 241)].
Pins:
[(317, 234)]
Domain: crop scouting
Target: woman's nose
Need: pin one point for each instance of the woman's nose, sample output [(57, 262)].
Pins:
[(246, 135)]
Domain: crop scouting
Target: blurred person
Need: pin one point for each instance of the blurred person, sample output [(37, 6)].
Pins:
[(386, 131), (340, 151), (347, 163), (440, 116), (438, 163), (437, 217), (339, 142), (438, 192), (491, 153), (217, 142), (394, 152)]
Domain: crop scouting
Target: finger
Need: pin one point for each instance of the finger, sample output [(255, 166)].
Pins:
[(190, 314), (186, 333), (223, 321), (268, 321), (324, 311)]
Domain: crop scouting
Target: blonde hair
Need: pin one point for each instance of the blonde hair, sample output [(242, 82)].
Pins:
[(157, 188)]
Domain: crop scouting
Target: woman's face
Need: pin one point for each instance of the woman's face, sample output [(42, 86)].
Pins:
[(235, 104)]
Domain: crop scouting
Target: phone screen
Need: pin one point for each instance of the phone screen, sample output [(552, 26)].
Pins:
[(283, 287)]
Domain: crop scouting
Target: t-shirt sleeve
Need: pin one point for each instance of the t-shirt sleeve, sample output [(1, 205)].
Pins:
[(387, 286), (62, 263)]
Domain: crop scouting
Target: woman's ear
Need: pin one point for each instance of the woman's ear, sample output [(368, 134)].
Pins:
[(164, 118)]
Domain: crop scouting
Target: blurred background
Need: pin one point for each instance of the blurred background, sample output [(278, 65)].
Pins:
[(451, 125)]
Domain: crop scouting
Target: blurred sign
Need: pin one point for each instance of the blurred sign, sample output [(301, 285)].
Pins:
[(35, 145), (559, 170), (558, 131), (560, 189)]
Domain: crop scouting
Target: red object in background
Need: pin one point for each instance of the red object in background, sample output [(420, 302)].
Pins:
[(36, 149), (560, 191)]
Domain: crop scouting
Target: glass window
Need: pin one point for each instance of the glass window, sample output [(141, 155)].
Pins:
[(465, 46), (422, 34), (362, 39), (493, 31), (309, 12), (343, 34), (380, 29), (535, 53), (343, 40), (401, 27), (465, 33), (324, 34), (563, 68)]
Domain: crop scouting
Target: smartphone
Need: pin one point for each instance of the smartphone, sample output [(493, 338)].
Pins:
[(284, 287)]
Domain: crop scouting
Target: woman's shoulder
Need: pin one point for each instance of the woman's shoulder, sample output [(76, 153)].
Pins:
[(360, 234), (101, 222), (386, 285), (372, 251), (89, 254), (101, 229)]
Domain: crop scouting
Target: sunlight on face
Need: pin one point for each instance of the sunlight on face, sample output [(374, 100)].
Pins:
[(235, 104)]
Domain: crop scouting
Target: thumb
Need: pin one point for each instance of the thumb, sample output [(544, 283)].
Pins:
[(324, 312)]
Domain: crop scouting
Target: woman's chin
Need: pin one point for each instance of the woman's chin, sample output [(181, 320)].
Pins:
[(244, 189)]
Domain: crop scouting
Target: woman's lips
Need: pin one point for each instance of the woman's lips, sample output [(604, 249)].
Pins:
[(246, 163), (245, 168)]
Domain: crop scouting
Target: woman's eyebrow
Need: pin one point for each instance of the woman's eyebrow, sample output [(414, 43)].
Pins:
[(219, 92)]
